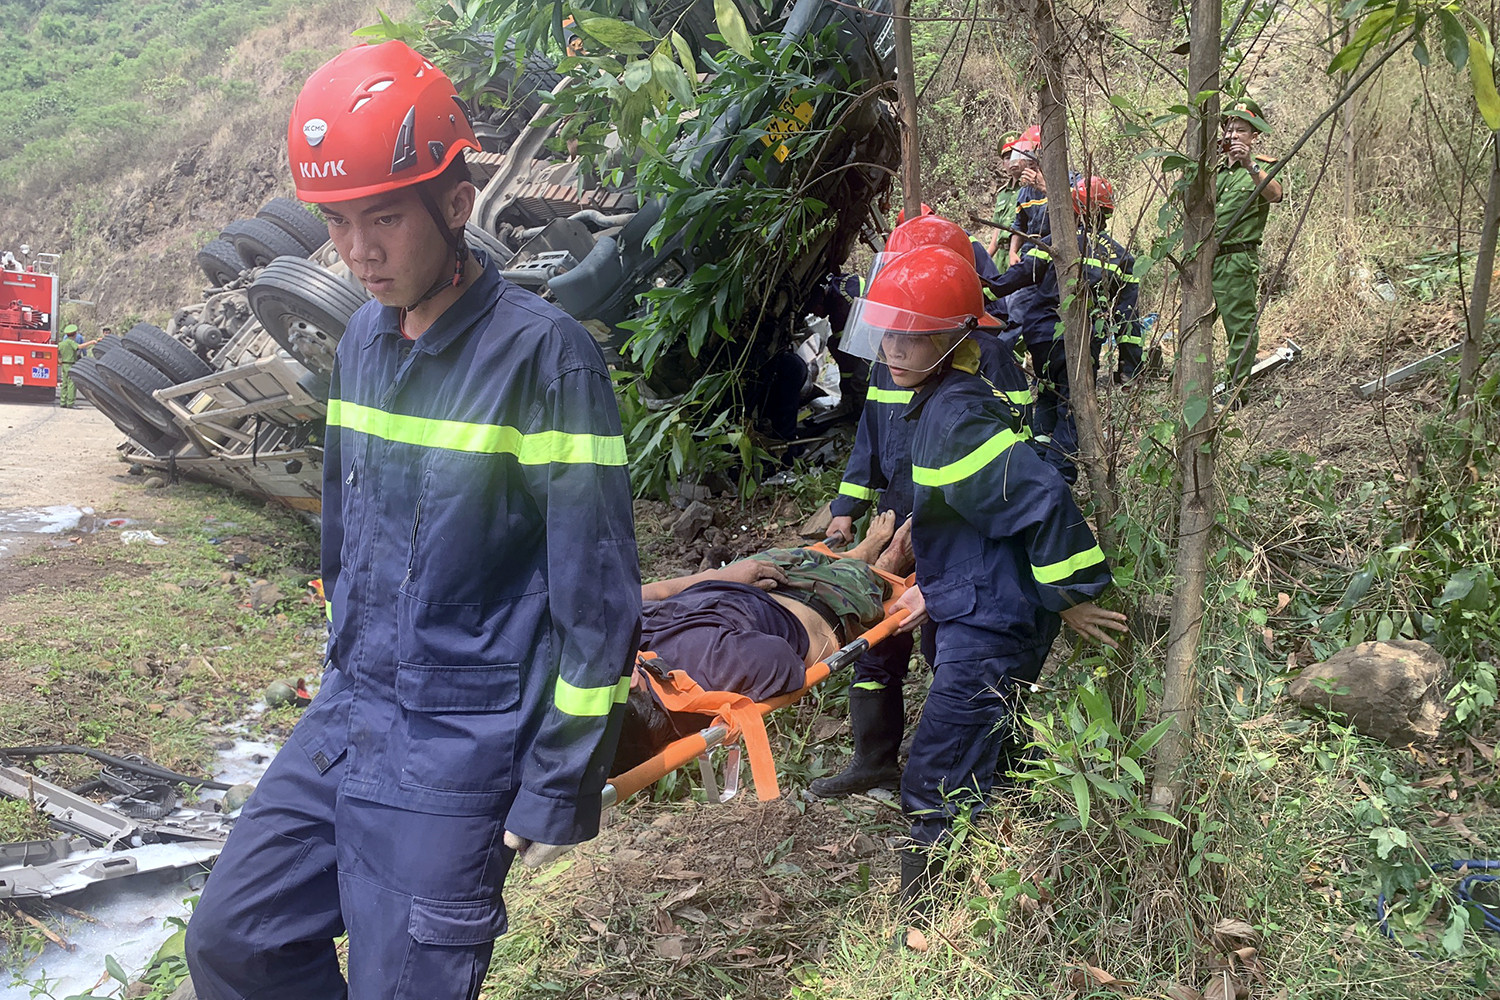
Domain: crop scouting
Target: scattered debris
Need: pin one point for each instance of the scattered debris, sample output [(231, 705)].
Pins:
[(816, 527), (154, 483), (1283, 355), (1392, 691), (140, 829), (138, 537), (1406, 373)]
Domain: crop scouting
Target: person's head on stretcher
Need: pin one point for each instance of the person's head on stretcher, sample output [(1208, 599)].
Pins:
[(753, 628)]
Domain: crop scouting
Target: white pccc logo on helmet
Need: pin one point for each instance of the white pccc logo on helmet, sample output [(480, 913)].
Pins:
[(314, 129)]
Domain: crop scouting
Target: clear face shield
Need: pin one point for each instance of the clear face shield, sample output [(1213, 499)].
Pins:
[(902, 339)]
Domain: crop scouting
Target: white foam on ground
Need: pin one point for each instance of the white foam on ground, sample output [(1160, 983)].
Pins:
[(43, 520), (130, 911)]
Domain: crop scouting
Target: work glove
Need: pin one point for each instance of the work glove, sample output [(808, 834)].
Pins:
[(533, 854)]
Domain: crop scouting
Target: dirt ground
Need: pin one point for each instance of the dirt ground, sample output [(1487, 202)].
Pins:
[(50, 456)]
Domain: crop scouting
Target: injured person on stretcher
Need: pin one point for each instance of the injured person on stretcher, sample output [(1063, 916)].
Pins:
[(754, 627)]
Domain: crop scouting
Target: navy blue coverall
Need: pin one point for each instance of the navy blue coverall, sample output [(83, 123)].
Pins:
[(879, 467), (1001, 550), (480, 561), (1109, 270)]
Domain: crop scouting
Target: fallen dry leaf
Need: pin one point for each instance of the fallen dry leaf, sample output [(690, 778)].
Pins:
[(916, 940), (1229, 927), (670, 947), (1177, 991), (1269, 638), (1282, 600), (1224, 986)]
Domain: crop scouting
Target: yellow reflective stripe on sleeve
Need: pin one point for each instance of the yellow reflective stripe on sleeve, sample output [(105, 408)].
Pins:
[(1033, 203), (328, 609), (590, 702), (1062, 570), (1021, 397), (1127, 339), (1039, 253), (541, 448), (876, 394), (968, 465), (856, 491)]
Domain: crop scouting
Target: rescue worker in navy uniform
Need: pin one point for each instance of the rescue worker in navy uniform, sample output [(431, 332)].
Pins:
[(1109, 273), (1003, 555), (480, 561), (879, 469)]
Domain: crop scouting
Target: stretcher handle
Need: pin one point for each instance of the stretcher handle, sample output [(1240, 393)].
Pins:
[(680, 752)]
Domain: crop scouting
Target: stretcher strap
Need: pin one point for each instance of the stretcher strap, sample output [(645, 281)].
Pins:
[(736, 712)]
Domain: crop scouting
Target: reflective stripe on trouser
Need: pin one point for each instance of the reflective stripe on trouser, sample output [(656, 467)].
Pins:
[(967, 720), (887, 664), (419, 894), (1236, 288), (65, 388), (1053, 419)]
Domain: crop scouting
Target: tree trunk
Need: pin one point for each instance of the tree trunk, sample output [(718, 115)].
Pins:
[(1052, 107), (906, 89), (1196, 432), (1484, 267)]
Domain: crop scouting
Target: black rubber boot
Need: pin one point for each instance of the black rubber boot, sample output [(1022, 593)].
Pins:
[(919, 875), (877, 718)]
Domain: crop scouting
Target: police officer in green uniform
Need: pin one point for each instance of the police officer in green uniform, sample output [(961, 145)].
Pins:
[(1236, 276), (67, 353)]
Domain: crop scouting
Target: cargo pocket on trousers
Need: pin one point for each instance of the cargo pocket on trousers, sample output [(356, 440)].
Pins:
[(460, 726), (451, 945)]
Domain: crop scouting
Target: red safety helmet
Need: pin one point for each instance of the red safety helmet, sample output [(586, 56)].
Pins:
[(1091, 193), (926, 291), (373, 119), (926, 209), (1029, 141), (930, 230)]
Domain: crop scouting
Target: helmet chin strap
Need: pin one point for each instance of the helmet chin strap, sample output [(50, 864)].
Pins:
[(456, 244)]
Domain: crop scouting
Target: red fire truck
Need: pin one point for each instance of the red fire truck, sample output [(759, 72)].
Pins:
[(28, 328)]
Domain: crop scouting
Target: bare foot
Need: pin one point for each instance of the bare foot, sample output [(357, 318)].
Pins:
[(882, 527), (898, 559)]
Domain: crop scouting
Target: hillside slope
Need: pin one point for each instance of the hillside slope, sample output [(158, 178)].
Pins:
[(129, 179)]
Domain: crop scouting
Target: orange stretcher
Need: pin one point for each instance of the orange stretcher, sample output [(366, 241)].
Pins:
[(737, 719)]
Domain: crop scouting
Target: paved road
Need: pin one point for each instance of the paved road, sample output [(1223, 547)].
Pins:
[(50, 456)]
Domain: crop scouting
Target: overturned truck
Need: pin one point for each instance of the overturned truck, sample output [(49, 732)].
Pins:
[(234, 389)]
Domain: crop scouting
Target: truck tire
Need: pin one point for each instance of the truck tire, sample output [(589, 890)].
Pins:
[(92, 386), (135, 380), (259, 242), (299, 223), (172, 358), (220, 262), (104, 345), (304, 308)]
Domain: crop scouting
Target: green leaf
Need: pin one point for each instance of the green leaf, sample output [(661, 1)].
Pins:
[(1081, 798), (1145, 836), (613, 33), (1129, 764), (637, 75), (1420, 54), (1482, 74), (1142, 744), (684, 54), (732, 27), (1455, 41), (1458, 926), (115, 972), (670, 76), (1458, 586), (1194, 409)]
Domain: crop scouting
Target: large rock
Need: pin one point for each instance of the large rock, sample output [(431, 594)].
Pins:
[(692, 522), (1392, 690)]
